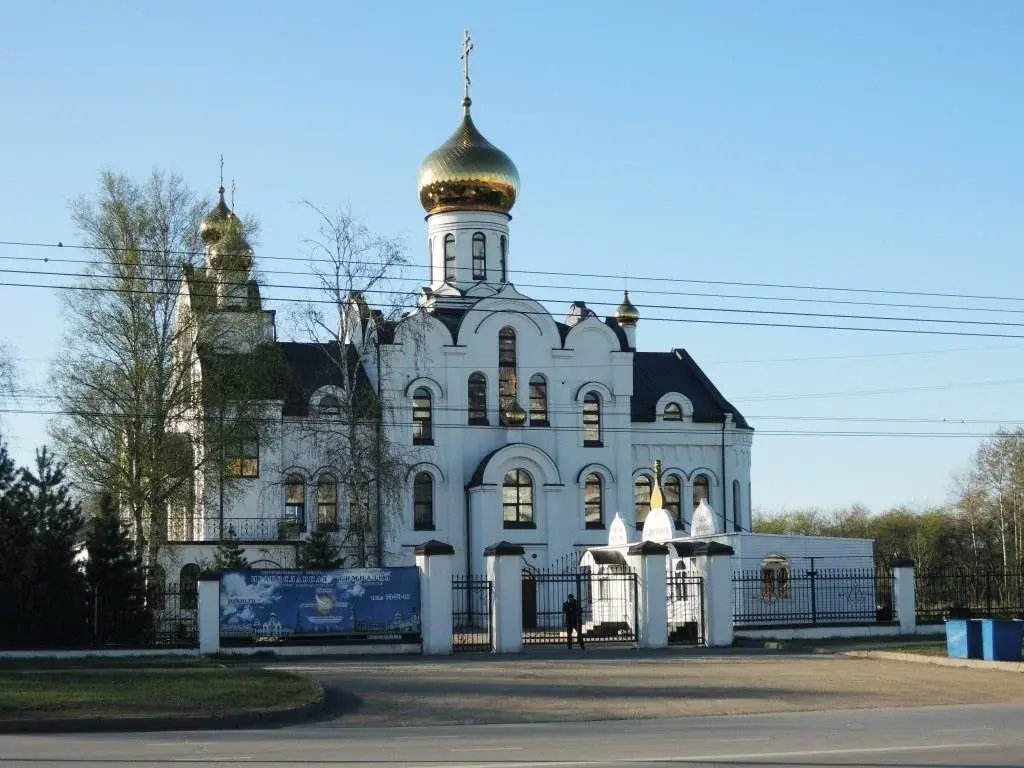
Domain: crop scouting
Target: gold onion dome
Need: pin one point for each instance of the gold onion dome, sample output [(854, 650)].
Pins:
[(212, 226), (514, 415), (231, 251), (627, 313), (468, 173)]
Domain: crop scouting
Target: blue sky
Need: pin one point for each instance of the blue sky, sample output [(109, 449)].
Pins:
[(856, 144)]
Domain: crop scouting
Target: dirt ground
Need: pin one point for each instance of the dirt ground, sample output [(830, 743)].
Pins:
[(627, 685)]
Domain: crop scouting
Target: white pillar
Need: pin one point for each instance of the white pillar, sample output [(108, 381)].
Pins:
[(714, 561), (505, 570), (208, 614), (434, 559), (904, 600), (647, 560)]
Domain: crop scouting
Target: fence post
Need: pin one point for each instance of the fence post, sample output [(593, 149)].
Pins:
[(647, 561), (208, 613), (904, 598), (504, 569), (715, 566), (434, 559)]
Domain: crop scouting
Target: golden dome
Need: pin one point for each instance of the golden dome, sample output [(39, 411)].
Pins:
[(231, 252), (514, 415), (627, 313), (468, 173), (212, 226)]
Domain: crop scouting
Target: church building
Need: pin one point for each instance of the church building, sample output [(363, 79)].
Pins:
[(512, 424)]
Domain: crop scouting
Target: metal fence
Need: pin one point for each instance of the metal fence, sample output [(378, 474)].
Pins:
[(783, 598), (961, 593), (608, 603), (190, 529), (685, 609), (471, 613)]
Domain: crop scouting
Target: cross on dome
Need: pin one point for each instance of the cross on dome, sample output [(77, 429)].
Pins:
[(467, 47)]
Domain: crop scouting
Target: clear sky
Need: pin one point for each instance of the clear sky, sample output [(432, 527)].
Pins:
[(866, 144)]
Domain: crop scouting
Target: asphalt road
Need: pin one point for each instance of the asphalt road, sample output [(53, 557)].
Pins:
[(980, 735)]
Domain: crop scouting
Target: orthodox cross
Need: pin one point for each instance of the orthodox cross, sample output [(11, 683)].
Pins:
[(467, 46), (222, 173), (232, 194)]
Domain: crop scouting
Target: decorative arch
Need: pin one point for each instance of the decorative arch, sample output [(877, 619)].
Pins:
[(600, 469), (592, 326), (436, 390), (425, 466), (510, 307), (712, 477), (674, 397), (491, 470), (602, 391)]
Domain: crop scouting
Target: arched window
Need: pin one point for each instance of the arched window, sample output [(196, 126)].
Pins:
[(477, 398), (423, 502), (538, 401), (188, 586), (295, 500), (673, 412), (242, 455), (592, 419), (327, 503), (775, 577), (737, 518), (504, 257), (641, 499), (479, 256), (506, 369), (593, 512), (671, 487), (701, 490), (422, 431), (449, 257), (329, 406), (517, 499)]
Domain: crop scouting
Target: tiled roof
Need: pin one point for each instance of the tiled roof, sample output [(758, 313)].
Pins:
[(657, 373)]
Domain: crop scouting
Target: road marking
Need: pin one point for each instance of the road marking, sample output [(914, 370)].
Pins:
[(684, 759)]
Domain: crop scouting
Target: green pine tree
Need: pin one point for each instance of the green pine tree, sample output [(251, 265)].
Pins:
[(116, 579), (230, 555), (320, 552), (15, 548)]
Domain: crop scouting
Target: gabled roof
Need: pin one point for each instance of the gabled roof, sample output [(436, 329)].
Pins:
[(658, 373)]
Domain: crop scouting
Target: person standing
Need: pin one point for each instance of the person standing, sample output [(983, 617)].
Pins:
[(572, 611)]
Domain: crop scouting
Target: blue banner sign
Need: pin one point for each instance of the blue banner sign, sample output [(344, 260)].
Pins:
[(347, 605)]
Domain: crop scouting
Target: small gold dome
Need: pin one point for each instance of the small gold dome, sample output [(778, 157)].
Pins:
[(212, 226), (231, 252), (468, 173), (627, 313), (514, 415)]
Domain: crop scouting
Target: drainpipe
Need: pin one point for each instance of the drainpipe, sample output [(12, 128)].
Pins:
[(465, 502), (725, 481)]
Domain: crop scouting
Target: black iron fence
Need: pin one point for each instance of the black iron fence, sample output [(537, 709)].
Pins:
[(163, 616), (685, 609), (961, 593), (783, 598), (607, 604), (187, 530), (471, 613)]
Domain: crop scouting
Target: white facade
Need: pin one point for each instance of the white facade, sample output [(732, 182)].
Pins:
[(583, 417)]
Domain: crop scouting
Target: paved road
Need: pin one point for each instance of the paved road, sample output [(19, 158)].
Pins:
[(986, 735)]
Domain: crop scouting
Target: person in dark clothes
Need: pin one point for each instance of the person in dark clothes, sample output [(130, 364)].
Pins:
[(573, 613)]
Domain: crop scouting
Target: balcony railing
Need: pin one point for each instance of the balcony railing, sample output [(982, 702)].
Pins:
[(188, 530)]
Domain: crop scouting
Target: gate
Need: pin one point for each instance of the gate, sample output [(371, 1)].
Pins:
[(608, 599), (685, 609), (471, 613)]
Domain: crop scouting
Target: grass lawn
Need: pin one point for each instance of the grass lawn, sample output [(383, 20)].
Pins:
[(922, 649), (110, 691)]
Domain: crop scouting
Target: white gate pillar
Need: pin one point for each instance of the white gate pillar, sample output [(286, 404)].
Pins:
[(505, 570), (647, 560), (434, 559), (904, 599), (714, 561), (208, 613)]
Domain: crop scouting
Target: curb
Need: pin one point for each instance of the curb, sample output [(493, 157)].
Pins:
[(269, 718), (939, 661)]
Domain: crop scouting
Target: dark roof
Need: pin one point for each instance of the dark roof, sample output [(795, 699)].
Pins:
[(478, 473), (657, 373), (451, 317), (290, 371), (700, 548), (607, 557)]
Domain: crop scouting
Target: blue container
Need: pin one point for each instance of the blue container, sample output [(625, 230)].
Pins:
[(1001, 639), (963, 639)]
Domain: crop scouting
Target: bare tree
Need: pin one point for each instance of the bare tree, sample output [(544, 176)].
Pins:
[(136, 419), (355, 267)]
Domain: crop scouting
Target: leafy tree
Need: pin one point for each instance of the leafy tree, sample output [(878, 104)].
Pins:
[(320, 552), (116, 578), (230, 555)]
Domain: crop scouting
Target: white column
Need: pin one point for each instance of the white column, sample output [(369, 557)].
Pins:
[(715, 566), (904, 600), (208, 614), (687, 503), (505, 570), (647, 560), (434, 559)]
